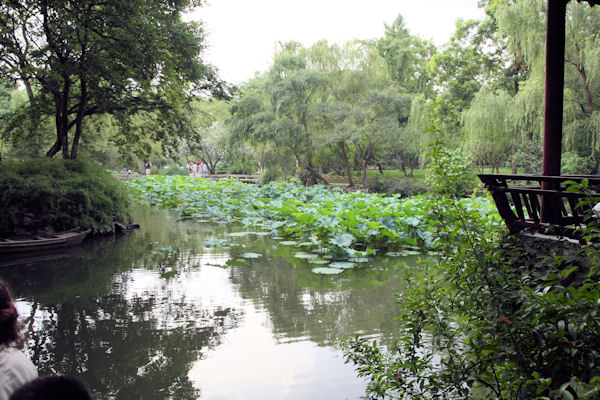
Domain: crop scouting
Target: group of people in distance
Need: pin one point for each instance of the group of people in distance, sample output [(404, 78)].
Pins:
[(19, 378), (199, 168)]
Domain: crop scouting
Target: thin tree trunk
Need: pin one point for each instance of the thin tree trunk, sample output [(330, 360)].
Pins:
[(79, 122), (346, 163), (588, 92), (63, 115)]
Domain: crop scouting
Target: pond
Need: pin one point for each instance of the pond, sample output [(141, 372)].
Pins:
[(157, 314)]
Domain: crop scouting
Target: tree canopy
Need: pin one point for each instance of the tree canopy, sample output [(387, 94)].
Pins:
[(88, 57)]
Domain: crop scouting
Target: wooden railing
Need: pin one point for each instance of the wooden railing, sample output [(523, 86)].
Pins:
[(537, 201)]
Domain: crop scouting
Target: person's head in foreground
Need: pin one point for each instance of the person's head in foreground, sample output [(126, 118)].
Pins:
[(53, 387)]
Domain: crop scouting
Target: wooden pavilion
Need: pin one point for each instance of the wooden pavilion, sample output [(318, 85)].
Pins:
[(546, 203)]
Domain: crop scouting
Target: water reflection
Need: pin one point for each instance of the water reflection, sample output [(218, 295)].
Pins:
[(156, 315)]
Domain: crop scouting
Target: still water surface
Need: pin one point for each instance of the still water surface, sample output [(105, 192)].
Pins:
[(158, 315)]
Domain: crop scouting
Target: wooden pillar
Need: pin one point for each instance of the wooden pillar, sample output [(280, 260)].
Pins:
[(553, 98)]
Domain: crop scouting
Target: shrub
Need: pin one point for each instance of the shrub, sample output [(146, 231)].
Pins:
[(489, 318), (573, 164), (244, 167), (40, 193), (173, 170), (404, 187), (449, 173), (528, 158)]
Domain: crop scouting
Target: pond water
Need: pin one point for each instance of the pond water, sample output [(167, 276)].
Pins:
[(156, 314)]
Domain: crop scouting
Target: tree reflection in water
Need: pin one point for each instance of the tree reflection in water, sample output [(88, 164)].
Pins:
[(135, 317), (86, 318)]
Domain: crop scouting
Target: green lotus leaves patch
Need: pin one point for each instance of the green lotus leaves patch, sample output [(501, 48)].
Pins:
[(321, 220)]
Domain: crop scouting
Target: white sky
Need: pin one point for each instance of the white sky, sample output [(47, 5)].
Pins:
[(241, 34)]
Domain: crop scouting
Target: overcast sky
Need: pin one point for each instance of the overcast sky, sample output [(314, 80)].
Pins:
[(241, 33)]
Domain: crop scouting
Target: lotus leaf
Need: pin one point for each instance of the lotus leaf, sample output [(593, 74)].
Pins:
[(342, 264), (214, 242), (327, 271), (250, 255), (358, 259), (302, 254)]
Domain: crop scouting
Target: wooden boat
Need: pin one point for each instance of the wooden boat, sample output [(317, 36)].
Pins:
[(72, 237)]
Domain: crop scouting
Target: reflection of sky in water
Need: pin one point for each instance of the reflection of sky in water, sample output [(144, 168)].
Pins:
[(251, 362), (251, 365), (251, 329)]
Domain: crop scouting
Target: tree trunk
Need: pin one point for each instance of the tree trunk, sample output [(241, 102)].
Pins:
[(79, 121), (588, 93), (316, 174), (346, 163), (34, 116), (366, 156)]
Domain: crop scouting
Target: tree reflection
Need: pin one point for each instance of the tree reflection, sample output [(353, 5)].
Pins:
[(324, 308), (87, 320)]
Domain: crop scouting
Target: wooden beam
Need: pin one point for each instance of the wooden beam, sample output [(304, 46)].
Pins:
[(553, 99)]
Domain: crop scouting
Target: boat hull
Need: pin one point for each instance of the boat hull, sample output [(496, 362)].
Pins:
[(72, 237)]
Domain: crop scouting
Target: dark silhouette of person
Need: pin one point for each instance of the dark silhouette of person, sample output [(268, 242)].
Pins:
[(53, 387)]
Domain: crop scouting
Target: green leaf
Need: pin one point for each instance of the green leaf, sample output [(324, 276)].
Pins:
[(327, 271), (342, 265)]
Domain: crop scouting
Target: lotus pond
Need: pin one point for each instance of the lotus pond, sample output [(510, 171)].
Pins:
[(224, 295)]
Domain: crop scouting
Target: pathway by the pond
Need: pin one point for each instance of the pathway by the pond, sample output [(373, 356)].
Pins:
[(159, 315)]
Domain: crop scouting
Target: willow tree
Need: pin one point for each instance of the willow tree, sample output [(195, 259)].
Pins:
[(488, 137), (278, 109), (88, 57), (522, 23)]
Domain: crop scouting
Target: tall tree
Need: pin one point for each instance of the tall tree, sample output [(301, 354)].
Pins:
[(406, 56), (280, 109), (91, 57)]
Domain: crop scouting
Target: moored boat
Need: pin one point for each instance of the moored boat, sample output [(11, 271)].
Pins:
[(72, 237)]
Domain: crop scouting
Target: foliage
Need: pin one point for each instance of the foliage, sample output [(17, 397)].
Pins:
[(85, 58), (489, 318), (344, 225), (405, 187), (528, 158), (574, 164), (448, 171), (38, 193), (173, 170), (488, 139)]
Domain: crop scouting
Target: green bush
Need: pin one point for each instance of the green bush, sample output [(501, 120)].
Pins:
[(173, 170), (449, 173), (528, 158), (244, 167), (391, 186), (40, 193), (271, 174), (573, 164), (489, 318)]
